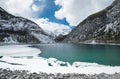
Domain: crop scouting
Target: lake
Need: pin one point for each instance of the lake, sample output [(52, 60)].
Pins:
[(93, 53), (61, 58)]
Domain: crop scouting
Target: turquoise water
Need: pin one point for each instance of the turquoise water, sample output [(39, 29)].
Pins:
[(101, 54)]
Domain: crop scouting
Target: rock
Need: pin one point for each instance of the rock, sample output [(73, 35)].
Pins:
[(26, 75)]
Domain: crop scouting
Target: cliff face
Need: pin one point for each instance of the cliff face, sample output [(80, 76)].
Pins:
[(20, 30), (102, 27)]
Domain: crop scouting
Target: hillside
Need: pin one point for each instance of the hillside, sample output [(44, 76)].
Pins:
[(101, 27), (15, 29)]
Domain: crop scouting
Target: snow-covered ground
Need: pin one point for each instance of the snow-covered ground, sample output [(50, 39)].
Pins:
[(11, 60)]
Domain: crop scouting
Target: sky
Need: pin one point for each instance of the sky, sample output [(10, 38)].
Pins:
[(54, 14)]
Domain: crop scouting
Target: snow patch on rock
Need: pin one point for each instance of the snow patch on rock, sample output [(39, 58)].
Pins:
[(10, 40), (93, 42)]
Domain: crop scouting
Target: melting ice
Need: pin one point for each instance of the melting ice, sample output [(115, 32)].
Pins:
[(16, 57)]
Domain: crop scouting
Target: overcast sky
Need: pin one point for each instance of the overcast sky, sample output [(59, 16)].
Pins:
[(54, 13)]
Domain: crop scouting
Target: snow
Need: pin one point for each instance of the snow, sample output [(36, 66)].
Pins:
[(2, 9), (108, 27), (93, 42), (12, 23), (42, 38), (111, 26), (40, 64), (18, 50), (9, 40), (85, 64)]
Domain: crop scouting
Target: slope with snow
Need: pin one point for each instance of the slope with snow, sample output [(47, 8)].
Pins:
[(103, 27), (17, 29)]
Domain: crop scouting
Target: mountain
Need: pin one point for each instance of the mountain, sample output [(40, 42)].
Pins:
[(101, 27), (53, 29), (15, 29), (59, 34)]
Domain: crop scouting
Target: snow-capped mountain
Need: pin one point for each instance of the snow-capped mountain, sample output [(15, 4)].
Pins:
[(59, 34), (56, 33), (53, 29), (101, 27), (17, 29)]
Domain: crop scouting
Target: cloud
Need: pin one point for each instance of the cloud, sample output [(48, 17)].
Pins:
[(35, 8), (18, 7), (24, 8), (53, 27), (77, 10), (39, 5)]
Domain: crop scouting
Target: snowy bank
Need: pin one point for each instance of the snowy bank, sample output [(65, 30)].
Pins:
[(16, 57), (18, 50)]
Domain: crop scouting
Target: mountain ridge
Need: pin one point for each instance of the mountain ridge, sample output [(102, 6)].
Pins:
[(101, 27), (14, 29)]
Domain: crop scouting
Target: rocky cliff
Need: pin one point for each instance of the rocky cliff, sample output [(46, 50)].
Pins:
[(15, 29), (101, 27)]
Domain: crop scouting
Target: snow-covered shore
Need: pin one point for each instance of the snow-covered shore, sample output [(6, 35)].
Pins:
[(22, 57)]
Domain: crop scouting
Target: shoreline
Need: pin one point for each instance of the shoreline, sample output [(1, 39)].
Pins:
[(89, 43), (22, 74), (43, 65)]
